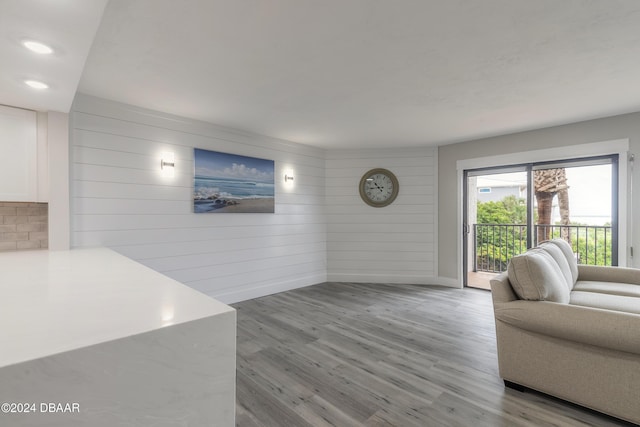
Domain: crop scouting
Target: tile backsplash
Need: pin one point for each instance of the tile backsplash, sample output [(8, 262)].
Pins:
[(23, 226)]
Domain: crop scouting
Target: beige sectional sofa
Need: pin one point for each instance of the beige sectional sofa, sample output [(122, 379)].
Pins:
[(569, 330)]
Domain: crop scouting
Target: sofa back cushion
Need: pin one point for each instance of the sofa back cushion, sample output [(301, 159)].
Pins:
[(569, 255), (535, 275), (560, 259)]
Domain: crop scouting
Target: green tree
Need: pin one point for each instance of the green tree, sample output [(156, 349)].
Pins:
[(510, 210), (495, 246)]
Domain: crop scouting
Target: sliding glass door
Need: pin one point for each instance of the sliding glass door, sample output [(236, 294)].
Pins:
[(512, 208), (577, 201)]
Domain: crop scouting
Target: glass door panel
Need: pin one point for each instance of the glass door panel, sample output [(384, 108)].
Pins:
[(496, 218), (576, 203)]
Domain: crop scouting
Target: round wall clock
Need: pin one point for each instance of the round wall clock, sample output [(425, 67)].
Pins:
[(379, 187)]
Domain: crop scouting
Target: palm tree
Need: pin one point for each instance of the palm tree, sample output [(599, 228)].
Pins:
[(563, 204), (546, 184)]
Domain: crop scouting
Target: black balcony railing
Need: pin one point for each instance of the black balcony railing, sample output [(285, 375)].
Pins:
[(496, 244)]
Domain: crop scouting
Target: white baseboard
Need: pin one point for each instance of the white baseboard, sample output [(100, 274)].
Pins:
[(233, 296), (383, 278), (244, 294)]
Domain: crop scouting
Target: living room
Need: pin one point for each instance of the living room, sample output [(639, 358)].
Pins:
[(549, 82)]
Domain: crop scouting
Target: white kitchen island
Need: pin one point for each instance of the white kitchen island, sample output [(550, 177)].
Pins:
[(110, 342)]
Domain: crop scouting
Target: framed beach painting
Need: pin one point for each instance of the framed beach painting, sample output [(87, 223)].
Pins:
[(232, 184)]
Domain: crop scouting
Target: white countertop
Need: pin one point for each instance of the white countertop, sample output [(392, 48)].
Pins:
[(55, 301)]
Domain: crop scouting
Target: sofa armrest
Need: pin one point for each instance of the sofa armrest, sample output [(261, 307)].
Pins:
[(587, 325), (599, 273), (501, 290)]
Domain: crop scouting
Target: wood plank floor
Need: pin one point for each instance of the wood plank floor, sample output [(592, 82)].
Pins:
[(345, 354)]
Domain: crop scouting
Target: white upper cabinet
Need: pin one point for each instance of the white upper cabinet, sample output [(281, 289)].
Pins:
[(18, 155)]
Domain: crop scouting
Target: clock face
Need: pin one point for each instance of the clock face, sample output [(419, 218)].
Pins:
[(378, 187)]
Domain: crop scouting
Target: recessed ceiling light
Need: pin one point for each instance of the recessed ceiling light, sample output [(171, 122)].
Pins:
[(37, 47), (36, 84)]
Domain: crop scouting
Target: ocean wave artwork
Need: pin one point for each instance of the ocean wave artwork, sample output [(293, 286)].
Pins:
[(231, 183)]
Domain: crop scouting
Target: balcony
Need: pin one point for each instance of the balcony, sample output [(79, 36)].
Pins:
[(495, 244)]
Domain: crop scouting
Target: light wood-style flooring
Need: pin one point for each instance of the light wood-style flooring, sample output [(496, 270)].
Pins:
[(344, 354)]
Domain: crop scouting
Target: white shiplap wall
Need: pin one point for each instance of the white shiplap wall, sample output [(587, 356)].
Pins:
[(119, 199), (394, 244)]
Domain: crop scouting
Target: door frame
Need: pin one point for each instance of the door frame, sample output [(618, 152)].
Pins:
[(466, 228), (580, 151)]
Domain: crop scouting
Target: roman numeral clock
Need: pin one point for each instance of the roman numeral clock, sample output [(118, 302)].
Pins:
[(379, 187)]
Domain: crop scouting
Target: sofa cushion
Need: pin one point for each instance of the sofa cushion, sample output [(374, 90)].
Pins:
[(565, 247), (606, 301), (559, 257), (535, 275), (613, 288)]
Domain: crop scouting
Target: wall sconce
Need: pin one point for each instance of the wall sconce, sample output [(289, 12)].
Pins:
[(288, 176), (168, 164)]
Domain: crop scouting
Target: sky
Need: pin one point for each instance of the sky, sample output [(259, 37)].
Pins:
[(214, 164), (590, 191)]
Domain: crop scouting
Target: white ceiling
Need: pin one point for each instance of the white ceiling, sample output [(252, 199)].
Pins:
[(68, 26), (360, 73)]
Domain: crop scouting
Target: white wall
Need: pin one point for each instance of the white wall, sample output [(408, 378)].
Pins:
[(57, 135), (394, 244), (120, 200)]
